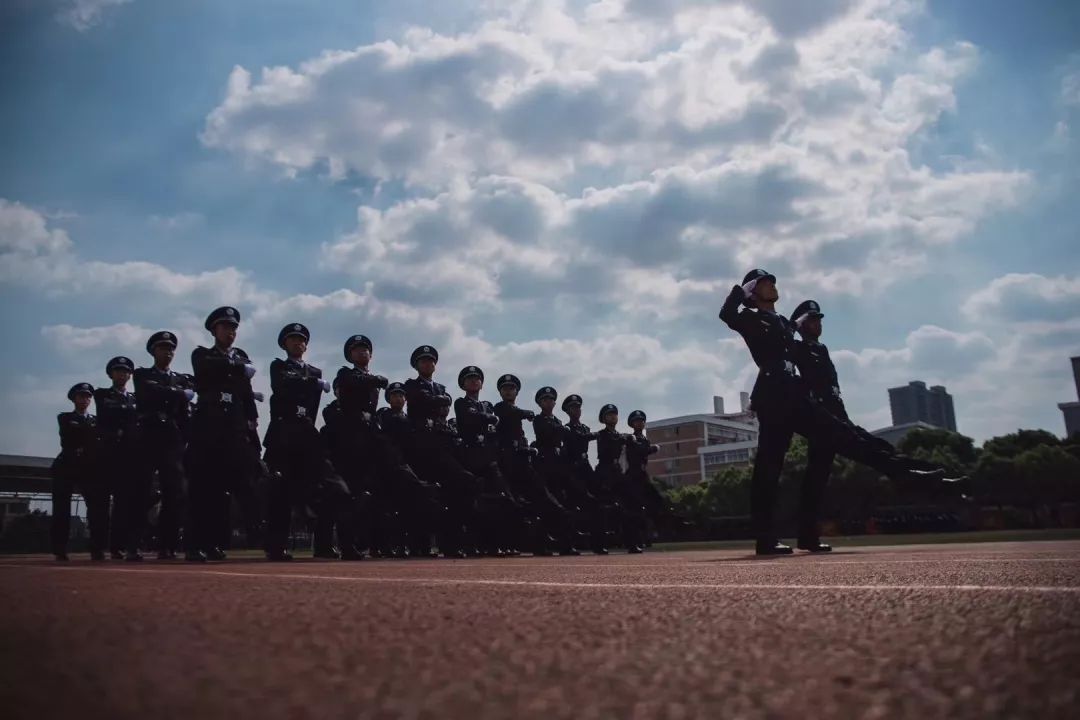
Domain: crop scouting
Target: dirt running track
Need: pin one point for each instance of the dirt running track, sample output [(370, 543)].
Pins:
[(953, 631)]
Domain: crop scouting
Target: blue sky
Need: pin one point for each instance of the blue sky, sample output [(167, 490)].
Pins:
[(560, 190)]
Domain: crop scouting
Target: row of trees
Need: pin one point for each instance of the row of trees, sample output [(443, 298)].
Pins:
[(1031, 472)]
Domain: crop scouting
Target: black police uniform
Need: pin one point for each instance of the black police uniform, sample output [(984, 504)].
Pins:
[(610, 480), (77, 469), (784, 407), (430, 458), (642, 500), (500, 516), (516, 463), (819, 374), (581, 480), (163, 399), (223, 456), (295, 452), (118, 426), (417, 502), (358, 460)]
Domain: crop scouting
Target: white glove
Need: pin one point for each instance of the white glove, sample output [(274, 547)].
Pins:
[(748, 288), (249, 371), (324, 384), (189, 394)]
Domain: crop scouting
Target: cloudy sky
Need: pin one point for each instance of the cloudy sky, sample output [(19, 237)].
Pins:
[(563, 190)]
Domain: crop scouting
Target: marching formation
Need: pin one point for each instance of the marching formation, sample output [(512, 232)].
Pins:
[(403, 480), (409, 480)]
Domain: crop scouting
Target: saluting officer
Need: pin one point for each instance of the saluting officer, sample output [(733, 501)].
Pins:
[(77, 469), (163, 397), (295, 451), (118, 424), (221, 452), (580, 476), (783, 404)]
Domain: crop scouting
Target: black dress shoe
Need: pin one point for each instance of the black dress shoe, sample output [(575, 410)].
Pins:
[(814, 546), (635, 550), (97, 556), (61, 556), (351, 553), (455, 555), (570, 552), (278, 555), (195, 556), (216, 554), (600, 551), (116, 555), (327, 553), (166, 555), (542, 552), (133, 556), (773, 548)]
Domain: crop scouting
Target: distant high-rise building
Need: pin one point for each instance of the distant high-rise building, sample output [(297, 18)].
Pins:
[(916, 403), (1071, 410)]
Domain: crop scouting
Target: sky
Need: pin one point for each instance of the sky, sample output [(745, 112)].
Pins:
[(561, 190)]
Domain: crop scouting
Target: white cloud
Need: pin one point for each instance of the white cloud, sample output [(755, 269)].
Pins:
[(36, 257), (1070, 81), (1028, 298), (85, 14), (76, 339)]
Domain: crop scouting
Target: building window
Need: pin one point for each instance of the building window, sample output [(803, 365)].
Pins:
[(676, 429), (676, 447)]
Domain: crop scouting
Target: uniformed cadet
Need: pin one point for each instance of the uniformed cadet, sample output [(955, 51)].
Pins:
[(783, 405), (417, 502), (358, 459), (610, 479), (163, 397), (581, 478), (500, 516), (77, 469), (516, 462), (222, 456), (295, 451), (118, 426), (427, 401), (644, 500)]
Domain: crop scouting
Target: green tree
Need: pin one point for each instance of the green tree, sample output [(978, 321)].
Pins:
[(1051, 476), (1021, 441), (956, 452)]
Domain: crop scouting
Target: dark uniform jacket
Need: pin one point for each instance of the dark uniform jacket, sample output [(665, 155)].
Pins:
[(819, 375), (162, 403), (476, 421), (576, 442), (550, 435), (117, 417), (225, 394), (509, 432), (78, 437), (358, 393), (771, 340), (425, 398)]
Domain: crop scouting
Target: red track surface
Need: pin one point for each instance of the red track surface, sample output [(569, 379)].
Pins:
[(956, 631)]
